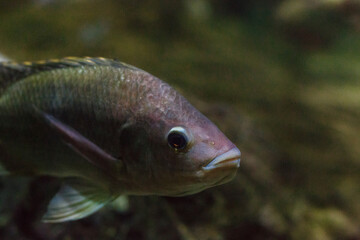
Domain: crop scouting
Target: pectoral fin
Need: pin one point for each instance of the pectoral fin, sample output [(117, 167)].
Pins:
[(75, 201), (82, 145)]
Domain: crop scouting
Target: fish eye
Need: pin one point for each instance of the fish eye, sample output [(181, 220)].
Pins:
[(177, 138)]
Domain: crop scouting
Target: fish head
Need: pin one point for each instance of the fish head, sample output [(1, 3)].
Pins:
[(200, 156), (184, 157), (175, 150)]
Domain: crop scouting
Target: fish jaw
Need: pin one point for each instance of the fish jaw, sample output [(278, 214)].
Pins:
[(219, 170), (229, 159)]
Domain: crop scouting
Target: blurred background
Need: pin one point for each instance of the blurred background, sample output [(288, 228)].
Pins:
[(281, 78)]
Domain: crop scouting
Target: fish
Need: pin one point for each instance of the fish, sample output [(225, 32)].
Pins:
[(107, 129)]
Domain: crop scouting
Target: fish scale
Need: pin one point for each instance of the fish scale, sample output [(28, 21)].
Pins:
[(108, 129)]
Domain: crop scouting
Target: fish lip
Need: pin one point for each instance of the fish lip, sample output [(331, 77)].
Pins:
[(230, 158)]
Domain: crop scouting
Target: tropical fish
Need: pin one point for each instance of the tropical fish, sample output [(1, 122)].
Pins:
[(109, 129)]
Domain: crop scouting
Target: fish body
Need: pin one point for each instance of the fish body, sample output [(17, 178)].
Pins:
[(108, 127)]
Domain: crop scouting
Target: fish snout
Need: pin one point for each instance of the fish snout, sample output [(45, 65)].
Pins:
[(229, 159)]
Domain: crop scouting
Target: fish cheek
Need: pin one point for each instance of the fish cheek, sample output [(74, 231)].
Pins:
[(201, 154), (135, 149)]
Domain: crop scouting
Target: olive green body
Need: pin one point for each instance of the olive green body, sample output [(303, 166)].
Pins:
[(113, 125), (97, 101), (107, 122)]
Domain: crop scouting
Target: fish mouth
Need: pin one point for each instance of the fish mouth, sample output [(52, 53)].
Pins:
[(229, 159)]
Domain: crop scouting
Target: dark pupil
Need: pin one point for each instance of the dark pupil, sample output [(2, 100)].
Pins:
[(177, 140)]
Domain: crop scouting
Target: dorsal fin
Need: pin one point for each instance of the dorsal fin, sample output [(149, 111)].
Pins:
[(12, 71)]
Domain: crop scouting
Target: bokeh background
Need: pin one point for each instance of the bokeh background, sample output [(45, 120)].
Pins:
[(280, 77)]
